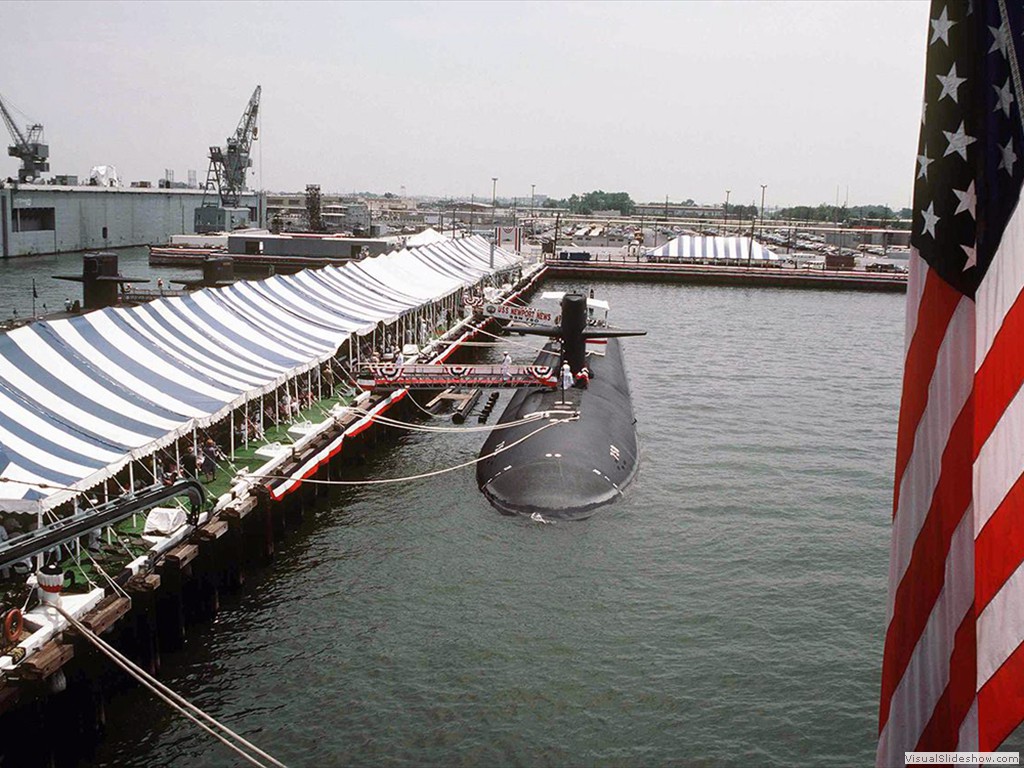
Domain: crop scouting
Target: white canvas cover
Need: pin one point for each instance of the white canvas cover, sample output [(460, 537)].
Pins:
[(707, 248), (82, 396)]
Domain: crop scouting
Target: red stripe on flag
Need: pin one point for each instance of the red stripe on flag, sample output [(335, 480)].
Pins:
[(999, 548), (941, 733), (938, 303), (925, 575), (1001, 703), (1000, 377)]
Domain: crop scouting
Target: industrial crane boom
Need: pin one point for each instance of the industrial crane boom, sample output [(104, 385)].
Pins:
[(228, 166), (31, 151), (230, 163), (19, 140)]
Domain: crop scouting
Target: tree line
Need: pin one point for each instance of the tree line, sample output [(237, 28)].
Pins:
[(599, 200)]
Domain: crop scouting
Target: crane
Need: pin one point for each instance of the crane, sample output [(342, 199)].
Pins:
[(28, 147), (226, 175)]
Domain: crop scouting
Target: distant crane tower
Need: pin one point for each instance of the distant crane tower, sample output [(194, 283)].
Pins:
[(28, 147), (226, 175)]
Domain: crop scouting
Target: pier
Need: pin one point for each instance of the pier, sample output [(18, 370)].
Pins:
[(761, 276), (140, 574)]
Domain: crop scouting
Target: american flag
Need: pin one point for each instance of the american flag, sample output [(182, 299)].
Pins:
[(953, 669)]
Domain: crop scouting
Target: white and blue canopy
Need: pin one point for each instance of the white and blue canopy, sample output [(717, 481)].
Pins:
[(706, 248), (83, 396)]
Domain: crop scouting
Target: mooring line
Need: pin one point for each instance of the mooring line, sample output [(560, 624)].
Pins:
[(170, 697), (423, 475)]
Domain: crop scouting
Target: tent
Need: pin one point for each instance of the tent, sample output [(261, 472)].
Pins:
[(712, 249), (82, 397)]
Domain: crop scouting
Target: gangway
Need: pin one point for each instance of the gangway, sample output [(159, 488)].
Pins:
[(383, 376)]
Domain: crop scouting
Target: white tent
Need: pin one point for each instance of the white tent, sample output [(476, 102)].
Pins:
[(83, 396), (700, 248)]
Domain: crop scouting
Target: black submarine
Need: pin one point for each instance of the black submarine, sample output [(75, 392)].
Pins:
[(573, 467)]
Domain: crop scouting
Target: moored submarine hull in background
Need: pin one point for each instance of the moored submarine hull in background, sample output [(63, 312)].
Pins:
[(570, 469)]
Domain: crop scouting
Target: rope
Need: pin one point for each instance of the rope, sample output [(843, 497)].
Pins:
[(424, 475), (78, 560), (174, 700), (95, 564), (508, 340), (483, 428)]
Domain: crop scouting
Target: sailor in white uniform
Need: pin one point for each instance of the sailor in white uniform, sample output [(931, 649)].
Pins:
[(506, 365), (567, 378)]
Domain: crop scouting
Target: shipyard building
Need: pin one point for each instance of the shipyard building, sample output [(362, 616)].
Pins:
[(47, 218)]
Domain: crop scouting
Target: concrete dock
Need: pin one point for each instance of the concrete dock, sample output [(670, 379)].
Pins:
[(713, 274)]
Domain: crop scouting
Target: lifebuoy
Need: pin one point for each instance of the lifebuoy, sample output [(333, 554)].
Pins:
[(14, 622)]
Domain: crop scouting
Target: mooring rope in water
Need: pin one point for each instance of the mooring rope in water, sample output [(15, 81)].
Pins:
[(174, 700), (424, 475)]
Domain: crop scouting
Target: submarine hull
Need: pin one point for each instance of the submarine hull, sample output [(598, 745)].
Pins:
[(567, 470)]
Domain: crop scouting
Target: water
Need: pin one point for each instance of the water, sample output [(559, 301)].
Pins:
[(728, 611), (16, 276)]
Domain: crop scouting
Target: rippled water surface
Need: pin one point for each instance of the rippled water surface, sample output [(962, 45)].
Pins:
[(727, 611)]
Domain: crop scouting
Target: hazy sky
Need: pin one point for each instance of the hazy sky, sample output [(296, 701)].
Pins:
[(684, 99)]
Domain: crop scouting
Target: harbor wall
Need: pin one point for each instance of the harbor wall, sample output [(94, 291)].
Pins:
[(39, 219)]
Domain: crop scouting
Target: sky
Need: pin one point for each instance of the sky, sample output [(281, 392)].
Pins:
[(817, 100)]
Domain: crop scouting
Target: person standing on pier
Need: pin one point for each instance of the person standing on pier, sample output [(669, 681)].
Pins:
[(211, 453), (190, 462), (506, 365)]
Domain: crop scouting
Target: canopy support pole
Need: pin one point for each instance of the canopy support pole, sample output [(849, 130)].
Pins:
[(232, 426)]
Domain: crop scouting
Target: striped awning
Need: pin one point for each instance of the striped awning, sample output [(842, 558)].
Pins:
[(703, 248), (80, 397)]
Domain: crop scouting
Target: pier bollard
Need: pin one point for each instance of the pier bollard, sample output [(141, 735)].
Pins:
[(51, 582)]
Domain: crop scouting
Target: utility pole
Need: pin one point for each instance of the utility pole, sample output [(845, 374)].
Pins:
[(763, 188), (725, 214), (532, 188), (494, 232)]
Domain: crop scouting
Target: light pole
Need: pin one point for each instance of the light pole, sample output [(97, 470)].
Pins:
[(494, 232), (532, 188), (725, 214), (763, 188)]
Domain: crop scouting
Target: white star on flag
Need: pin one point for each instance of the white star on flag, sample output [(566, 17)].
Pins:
[(972, 257), (925, 161), (958, 142), (1009, 157), (950, 83), (968, 200), (1005, 96), (930, 220), (1000, 39), (940, 28)]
